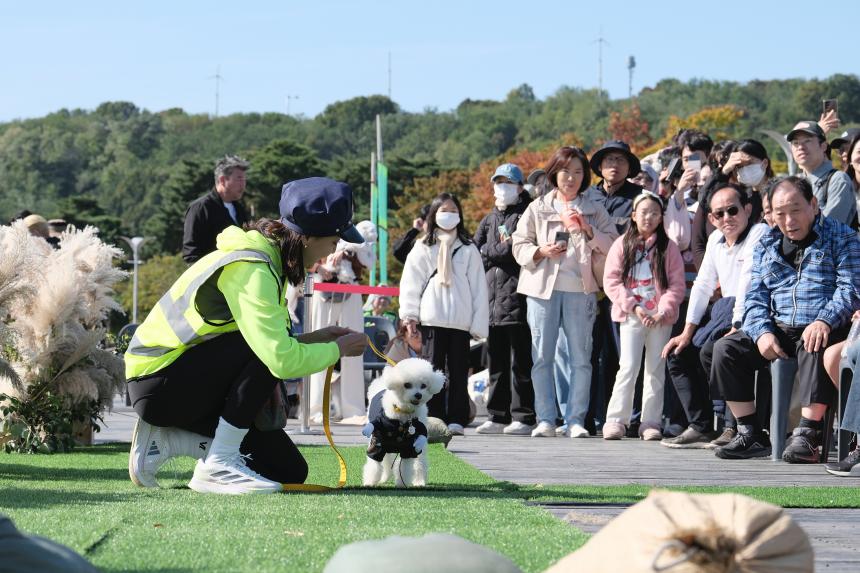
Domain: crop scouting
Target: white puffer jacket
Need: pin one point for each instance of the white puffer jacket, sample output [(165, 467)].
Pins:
[(462, 306)]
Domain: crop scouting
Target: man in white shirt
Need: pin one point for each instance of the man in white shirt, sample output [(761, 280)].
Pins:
[(727, 265)]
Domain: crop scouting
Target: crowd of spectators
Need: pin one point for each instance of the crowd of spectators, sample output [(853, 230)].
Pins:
[(651, 304)]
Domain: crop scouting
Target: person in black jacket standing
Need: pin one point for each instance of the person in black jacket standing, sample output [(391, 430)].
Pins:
[(209, 215), (510, 406), (405, 243)]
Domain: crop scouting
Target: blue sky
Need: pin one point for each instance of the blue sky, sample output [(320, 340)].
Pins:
[(161, 54)]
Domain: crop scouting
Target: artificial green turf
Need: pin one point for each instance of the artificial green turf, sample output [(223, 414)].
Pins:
[(85, 500)]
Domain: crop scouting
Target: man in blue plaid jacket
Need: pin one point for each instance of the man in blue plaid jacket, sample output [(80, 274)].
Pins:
[(805, 286)]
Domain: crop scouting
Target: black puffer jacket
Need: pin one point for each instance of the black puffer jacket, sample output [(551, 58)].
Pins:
[(506, 306)]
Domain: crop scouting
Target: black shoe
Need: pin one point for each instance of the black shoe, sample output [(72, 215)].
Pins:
[(849, 467), (632, 430), (745, 445), (802, 447)]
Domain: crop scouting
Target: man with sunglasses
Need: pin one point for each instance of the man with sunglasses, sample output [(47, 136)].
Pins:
[(803, 290), (727, 264)]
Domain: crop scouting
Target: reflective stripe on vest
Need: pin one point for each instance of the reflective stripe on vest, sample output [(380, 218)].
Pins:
[(174, 311)]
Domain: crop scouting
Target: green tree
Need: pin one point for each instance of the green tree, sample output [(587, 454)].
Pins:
[(275, 164)]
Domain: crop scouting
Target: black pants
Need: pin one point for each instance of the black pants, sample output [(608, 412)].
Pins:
[(604, 364), (221, 377), (690, 379), (507, 400), (736, 359), (448, 350)]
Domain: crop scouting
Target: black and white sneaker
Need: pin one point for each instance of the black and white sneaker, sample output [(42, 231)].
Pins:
[(802, 447), (848, 467), (745, 445), (152, 446)]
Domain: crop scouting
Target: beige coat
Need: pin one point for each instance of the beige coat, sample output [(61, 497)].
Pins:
[(538, 226)]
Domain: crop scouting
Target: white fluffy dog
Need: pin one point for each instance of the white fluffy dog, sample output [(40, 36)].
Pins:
[(397, 423)]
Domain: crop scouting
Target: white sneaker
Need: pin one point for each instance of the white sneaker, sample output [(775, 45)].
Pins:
[(577, 431), (518, 429), (544, 430), (231, 476), (490, 427), (152, 446), (455, 429), (562, 431)]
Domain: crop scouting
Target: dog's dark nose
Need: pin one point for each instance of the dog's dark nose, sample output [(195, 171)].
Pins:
[(418, 395)]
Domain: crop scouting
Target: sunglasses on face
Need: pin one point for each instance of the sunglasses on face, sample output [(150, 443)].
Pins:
[(730, 212)]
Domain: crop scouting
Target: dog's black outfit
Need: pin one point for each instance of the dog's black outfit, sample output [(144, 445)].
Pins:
[(392, 436)]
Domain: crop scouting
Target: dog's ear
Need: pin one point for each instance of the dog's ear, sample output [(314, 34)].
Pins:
[(438, 381)]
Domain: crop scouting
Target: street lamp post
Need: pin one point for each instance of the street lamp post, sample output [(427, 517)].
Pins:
[(134, 243)]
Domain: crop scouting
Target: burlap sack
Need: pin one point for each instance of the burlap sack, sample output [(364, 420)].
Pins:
[(433, 553), (722, 533)]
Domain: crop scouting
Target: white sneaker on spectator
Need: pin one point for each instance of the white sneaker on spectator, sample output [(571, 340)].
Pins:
[(518, 429), (578, 431), (230, 476), (490, 427), (544, 430), (152, 446), (455, 429)]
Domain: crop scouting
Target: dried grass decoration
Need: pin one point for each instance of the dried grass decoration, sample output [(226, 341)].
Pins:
[(54, 306)]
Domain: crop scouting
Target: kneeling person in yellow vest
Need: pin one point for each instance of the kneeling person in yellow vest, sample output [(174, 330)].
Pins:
[(207, 358)]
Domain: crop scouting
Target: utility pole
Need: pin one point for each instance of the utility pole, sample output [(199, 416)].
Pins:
[(600, 41), (217, 77), (389, 74), (631, 64), (290, 98)]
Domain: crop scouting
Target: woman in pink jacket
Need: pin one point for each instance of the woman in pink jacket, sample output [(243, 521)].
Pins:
[(644, 279)]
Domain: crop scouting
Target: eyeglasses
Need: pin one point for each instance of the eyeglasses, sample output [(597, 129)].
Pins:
[(730, 212), (806, 142)]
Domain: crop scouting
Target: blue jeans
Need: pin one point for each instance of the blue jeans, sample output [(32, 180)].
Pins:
[(851, 418), (573, 312), (561, 370)]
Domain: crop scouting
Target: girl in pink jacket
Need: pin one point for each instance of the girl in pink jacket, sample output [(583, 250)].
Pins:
[(644, 279)]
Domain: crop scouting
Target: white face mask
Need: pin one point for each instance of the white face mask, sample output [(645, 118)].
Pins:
[(447, 220), (751, 174), (506, 193)]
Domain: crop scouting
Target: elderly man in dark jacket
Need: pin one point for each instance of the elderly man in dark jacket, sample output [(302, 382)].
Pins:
[(510, 406)]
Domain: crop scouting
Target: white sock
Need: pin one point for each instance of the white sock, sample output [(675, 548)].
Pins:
[(226, 442)]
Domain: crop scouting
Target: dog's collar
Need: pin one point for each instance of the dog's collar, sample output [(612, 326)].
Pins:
[(400, 410)]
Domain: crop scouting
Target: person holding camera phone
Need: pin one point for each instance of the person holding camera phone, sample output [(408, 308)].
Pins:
[(555, 242), (510, 404), (695, 149)]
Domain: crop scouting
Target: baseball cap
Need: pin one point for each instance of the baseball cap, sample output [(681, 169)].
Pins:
[(510, 171), (319, 207), (807, 127), (845, 137)]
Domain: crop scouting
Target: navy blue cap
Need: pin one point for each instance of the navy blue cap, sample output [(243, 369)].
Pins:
[(319, 207)]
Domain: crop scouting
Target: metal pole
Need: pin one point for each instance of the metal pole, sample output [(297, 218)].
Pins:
[(134, 284), (306, 381), (379, 138), (134, 243)]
